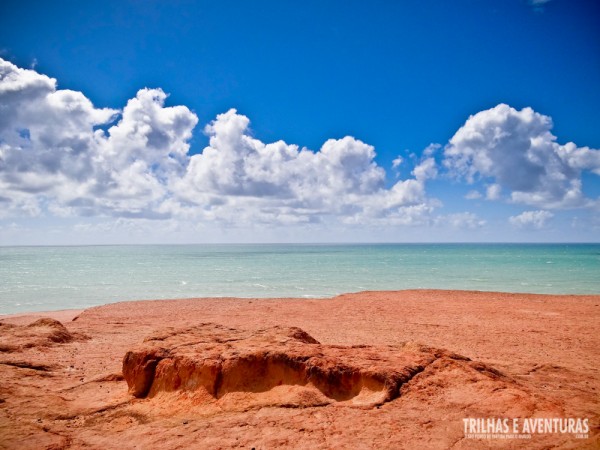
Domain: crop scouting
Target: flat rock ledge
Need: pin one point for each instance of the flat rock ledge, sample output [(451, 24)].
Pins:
[(277, 366)]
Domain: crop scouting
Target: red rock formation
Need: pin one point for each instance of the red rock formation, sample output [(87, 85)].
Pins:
[(272, 386), (275, 366)]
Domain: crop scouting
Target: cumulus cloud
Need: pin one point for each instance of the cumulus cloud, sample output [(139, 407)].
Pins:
[(279, 182), (236, 164), (61, 155), (140, 156), (54, 152), (531, 219), (515, 150)]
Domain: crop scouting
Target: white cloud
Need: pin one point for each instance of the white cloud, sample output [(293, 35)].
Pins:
[(473, 195), (425, 170), (531, 219), (516, 151), (236, 164), (463, 220), (53, 150), (239, 178), (397, 162), (62, 156), (141, 156), (492, 192), (431, 149)]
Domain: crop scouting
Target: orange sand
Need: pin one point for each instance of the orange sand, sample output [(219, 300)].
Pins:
[(546, 347)]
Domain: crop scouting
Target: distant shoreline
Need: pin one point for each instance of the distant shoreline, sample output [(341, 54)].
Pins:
[(70, 314)]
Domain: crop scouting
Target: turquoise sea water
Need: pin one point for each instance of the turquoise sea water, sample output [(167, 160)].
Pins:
[(51, 278)]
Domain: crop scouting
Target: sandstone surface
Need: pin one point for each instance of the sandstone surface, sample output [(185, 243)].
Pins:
[(286, 367), (368, 370)]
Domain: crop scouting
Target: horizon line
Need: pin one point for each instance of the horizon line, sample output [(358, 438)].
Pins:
[(313, 243)]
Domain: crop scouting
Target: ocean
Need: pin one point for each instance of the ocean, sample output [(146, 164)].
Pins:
[(53, 278)]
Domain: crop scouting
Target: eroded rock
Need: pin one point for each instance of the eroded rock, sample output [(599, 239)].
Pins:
[(43, 332), (275, 366), (532, 369)]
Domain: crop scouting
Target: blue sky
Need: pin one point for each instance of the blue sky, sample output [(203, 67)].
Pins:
[(376, 80)]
